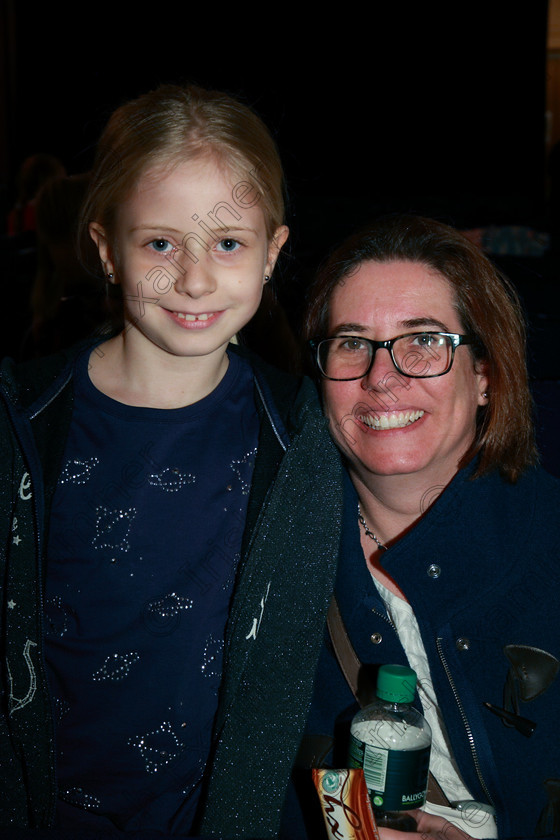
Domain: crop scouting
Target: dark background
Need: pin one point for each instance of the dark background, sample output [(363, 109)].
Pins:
[(430, 108), (420, 106)]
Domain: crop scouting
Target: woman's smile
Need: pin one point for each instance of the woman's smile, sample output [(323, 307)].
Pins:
[(390, 420)]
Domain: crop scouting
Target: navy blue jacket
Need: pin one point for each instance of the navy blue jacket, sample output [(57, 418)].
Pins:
[(482, 572)]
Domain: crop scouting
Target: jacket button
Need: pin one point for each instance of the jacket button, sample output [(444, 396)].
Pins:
[(462, 643), (376, 638), (434, 571)]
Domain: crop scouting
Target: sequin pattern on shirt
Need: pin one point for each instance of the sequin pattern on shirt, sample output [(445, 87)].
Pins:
[(144, 542)]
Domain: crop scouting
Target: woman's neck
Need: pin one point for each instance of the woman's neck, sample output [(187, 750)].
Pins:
[(132, 373), (391, 505)]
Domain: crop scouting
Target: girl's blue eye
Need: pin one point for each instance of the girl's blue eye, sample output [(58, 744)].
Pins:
[(228, 245), (162, 246)]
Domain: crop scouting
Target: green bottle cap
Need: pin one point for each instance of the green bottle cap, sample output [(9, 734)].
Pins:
[(396, 683)]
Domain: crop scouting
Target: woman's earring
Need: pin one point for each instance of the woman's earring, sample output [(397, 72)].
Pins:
[(266, 278), (109, 277), (485, 394)]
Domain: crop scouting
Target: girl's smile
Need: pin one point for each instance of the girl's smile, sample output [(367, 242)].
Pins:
[(190, 321)]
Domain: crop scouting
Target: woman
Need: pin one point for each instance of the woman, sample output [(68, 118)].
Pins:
[(449, 553)]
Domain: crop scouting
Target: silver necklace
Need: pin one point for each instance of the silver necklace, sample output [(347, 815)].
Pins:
[(370, 534)]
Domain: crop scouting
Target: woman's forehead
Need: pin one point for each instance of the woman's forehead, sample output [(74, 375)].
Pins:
[(397, 286)]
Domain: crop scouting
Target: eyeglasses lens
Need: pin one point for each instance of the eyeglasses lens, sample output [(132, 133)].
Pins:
[(344, 358), (423, 355)]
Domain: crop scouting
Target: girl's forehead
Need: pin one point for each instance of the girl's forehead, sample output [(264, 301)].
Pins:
[(207, 161), (182, 193)]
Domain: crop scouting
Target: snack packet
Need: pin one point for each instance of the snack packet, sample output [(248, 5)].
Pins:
[(346, 806)]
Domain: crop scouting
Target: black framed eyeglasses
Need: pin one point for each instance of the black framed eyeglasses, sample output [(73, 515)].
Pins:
[(422, 355)]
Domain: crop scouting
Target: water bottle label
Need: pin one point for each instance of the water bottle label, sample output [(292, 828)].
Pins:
[(396, 779)]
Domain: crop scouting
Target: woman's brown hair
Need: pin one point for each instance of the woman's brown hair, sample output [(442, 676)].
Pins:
[(489, 310)]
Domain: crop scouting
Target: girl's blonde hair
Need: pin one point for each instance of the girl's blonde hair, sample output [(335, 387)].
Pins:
[(167, 126)]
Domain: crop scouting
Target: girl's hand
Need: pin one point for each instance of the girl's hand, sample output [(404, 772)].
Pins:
[(428, 827)]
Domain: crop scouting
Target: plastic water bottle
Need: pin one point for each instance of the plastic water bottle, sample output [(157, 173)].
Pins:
[(392, 741)]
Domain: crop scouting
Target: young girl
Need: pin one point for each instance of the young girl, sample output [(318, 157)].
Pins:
[(166, 495)]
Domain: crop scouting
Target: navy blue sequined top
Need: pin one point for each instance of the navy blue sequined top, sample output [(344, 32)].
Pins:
[(144, 539)]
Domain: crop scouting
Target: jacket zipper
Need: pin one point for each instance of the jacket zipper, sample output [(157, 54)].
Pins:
[(268, 414), (61, 387), (384, 616), (466, 723), (284, 449)]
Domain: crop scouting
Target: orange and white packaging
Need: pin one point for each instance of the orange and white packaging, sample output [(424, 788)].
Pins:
[(346, 806)]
